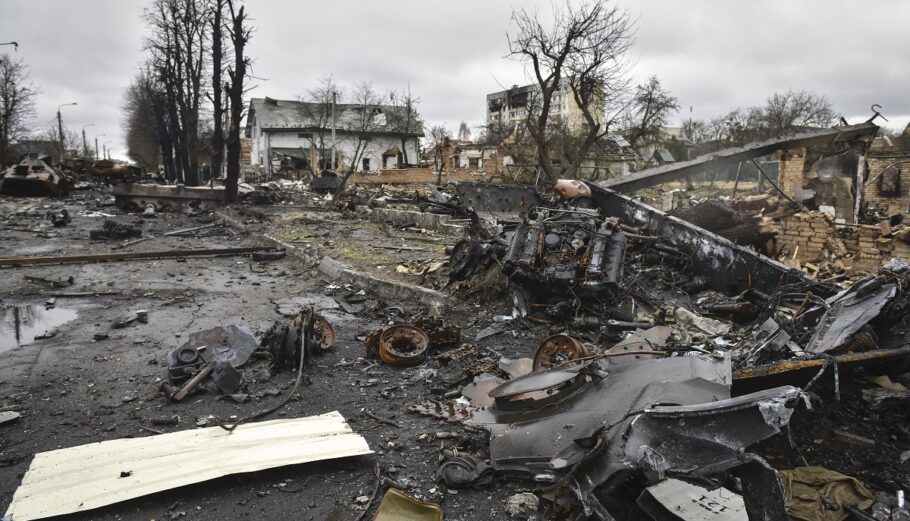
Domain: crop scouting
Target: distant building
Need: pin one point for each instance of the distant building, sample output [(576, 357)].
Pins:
[(461, 154), (511, 106), (280, 129)]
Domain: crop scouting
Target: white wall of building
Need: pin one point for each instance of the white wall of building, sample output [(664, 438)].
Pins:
[(345, 148)]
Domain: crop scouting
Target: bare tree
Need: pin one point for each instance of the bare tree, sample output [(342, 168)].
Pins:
[(781, 113), (318, 110), (792, 109), (652, 107), (436, 135), (696, 130), (368, 118), (580, 55), (71, 140), (179, 48), (141, 123), (240, 34), (405, 121), (217, 105), (17, 105), (148, 125)]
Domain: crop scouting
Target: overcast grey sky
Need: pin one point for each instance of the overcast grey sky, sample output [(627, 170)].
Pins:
[(714, 55)]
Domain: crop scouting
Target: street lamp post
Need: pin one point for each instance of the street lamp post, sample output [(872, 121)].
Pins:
[(60, 128), (15, 44), (96, 145), (84, 143)]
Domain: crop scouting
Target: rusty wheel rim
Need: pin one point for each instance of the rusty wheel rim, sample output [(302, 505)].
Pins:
[(557, 350)]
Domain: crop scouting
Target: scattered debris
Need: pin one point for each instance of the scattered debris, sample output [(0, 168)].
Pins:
[(291, 343), (112, 230), (59, 218), (523, 506), (218, 352), (464, 471)]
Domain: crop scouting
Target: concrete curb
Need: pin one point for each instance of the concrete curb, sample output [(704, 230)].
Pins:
[(337, 270)]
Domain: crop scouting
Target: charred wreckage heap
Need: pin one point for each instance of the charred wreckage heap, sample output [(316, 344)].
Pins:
[(673, 352), (676, 319)]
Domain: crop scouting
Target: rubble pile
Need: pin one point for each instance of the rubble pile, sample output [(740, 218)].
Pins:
[(646, 327), (588, 357)]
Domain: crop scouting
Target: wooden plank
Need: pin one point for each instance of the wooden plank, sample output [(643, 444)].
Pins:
[(90, 476), (108, 257)]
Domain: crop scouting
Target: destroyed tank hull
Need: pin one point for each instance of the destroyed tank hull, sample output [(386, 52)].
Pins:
[(34, 177)]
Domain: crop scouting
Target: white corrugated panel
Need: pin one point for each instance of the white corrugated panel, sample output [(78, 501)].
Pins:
[(89, 476)]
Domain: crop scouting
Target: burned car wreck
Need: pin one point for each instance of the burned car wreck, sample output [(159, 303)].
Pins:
[(679, 349)]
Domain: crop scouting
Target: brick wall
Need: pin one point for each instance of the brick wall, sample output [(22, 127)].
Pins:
[(813, 237), (893, 203), (792, 166)]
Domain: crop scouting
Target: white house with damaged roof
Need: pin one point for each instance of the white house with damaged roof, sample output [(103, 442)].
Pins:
[(373, 137)]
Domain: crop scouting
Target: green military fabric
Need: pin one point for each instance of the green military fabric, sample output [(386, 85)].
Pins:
[(398, 506), (819, 494)]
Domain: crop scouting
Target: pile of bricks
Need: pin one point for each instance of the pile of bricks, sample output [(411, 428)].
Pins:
[(812, 241)]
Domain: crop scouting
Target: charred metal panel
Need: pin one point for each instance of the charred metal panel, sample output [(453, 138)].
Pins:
[(850, 311), (731, 156), (670, 417), (727, 267)]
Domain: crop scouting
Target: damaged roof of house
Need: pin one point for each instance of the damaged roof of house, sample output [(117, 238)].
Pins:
[(273, 114)]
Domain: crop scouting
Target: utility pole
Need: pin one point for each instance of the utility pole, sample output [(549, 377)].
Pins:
[(333, 130), (84, 143), (96, 145), (60, 129)]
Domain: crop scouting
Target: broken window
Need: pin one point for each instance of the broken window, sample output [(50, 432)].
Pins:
[(305, 135), (366, 164), (474, 162), (889, 183)]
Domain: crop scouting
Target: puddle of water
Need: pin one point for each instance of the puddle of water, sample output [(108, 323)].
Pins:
[(19, 325)]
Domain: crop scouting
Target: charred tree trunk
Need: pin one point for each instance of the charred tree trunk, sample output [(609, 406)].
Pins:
[(240, 35), (218, 113)]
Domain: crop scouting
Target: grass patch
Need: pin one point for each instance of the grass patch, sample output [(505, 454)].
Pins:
[(360, 255)]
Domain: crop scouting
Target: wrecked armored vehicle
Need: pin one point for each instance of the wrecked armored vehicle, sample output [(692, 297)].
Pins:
[(694, 347), (34, 176), (603, 262)]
